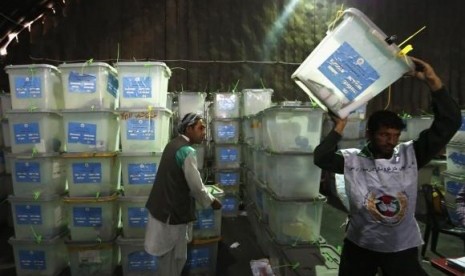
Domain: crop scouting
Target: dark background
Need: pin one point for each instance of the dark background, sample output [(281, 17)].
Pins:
[(212, 45)]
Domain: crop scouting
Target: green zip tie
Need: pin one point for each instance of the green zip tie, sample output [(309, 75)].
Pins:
[(149, 66), (298, 238), (37, 237), (404, 115), (32, 107), (425, 113), (34, 151), (235, 86), (263, 84), (313, 104), (97, 195), (339, 249), (36, 195), (88, 62), (99, 240)]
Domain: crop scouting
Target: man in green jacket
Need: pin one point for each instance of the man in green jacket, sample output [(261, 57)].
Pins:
[(171, 203)]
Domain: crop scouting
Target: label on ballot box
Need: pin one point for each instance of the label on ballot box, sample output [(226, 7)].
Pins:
[(32, 259), (87, 216), (205, 219), (141, 261), (27, 171), (87, 173), (137, 87), (26, 133), (81, 133), (348, 71), (198, 258), (28, 214), (226, 131), (228, 179), (138, 217), (28, 87), (142, 173), (140, 129), (82, 83)]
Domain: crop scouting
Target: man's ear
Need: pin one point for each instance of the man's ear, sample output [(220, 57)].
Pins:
[(188, 130)]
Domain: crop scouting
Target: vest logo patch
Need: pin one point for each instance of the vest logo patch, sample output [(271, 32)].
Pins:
[(386, 209)]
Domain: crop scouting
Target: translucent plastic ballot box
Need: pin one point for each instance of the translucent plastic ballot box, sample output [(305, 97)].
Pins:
[(143, 84), (89, 85), (40, 257), (351, 65), (208, 221), (35, 86), (191, 102)]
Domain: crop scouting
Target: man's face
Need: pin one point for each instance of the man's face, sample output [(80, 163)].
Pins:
[(383, 141), (196, 133)]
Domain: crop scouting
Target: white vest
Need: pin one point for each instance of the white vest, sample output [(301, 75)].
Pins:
[(382, 195)]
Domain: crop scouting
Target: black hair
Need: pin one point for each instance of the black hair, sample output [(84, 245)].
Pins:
[(384, 118)]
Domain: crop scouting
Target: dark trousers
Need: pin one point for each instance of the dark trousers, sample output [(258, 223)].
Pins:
[(363, 262)]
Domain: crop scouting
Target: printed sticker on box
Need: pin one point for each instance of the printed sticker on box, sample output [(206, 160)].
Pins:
[(87, 216), (28, 172), (228, 155), (82, 83), (140, 129), (32, 260), (142, 261), (228, 179), (28, 214), (87, 173), (348, 71), (198, 258), (229, 204), (137, 217), (137, 87), (142, 173), (226, 102), (226, 131), (112, 85), (81, 133), (26, 133), (28, 87), (205, 219)]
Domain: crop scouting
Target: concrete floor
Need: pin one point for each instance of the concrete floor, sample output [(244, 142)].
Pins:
[(236, 261)]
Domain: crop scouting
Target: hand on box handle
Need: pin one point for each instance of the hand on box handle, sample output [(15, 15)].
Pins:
[(339, 124), (423, 71), (216, 204)]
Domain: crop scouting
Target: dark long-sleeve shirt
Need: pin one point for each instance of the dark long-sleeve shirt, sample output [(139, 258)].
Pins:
[(447, 120)]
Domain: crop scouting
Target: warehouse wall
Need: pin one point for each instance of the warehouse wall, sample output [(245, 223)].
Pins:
[(216, 45)]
